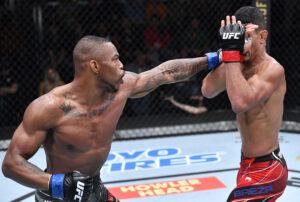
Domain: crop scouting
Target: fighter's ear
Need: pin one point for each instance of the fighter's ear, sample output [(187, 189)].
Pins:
[(95, 66), (263, 36)]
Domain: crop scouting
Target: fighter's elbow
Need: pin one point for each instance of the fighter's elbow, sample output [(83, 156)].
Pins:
[(239, 106), (6, 168), (206, 91)]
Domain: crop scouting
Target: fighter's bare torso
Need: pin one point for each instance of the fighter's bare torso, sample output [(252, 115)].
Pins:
[(259, 125), (81, 135)]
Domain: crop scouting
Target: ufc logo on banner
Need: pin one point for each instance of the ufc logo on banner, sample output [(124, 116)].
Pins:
[(79, 190), (230, 35)]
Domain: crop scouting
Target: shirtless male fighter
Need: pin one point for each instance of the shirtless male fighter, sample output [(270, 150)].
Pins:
[(255, 84), (74, 123)]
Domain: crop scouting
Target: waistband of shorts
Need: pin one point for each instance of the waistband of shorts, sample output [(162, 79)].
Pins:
[(264, 158), (96, 177)]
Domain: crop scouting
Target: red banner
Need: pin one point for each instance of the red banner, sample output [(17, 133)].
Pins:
[(165, 188)]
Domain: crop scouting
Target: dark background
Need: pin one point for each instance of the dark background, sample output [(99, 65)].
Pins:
[(185, 28)]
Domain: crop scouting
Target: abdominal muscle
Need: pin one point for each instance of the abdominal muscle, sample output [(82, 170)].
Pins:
[(65, 158), (259, 130)]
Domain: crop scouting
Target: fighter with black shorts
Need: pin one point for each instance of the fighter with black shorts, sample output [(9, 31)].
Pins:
[(75, 122), (96, 190)]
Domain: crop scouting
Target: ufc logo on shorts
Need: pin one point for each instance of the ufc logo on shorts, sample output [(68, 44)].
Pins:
[(230, 35), (79, 190)]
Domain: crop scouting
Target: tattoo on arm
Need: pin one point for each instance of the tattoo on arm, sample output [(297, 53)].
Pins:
[(175, 70), (31, 167), (183, 68)]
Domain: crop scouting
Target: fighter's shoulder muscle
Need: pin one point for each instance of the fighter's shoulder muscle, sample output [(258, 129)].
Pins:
[(274, 70), (131, 77), (43, 112), (130, 80)]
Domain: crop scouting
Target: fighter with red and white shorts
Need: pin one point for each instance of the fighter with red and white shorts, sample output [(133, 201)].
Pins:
[(255, 84), (260, 179)]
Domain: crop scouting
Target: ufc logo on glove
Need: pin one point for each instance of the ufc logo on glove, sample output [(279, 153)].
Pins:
[(230, 35), (232, 40), (79, 190)]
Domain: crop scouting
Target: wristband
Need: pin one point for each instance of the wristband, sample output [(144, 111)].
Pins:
[(56, 186), (231, 56), (213, 60)]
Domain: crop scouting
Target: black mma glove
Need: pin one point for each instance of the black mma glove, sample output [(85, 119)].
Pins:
[(73, 186), (232, 39)]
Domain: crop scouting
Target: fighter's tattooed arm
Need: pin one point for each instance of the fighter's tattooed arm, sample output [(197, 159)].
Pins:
[(168, 72), (31, 167)]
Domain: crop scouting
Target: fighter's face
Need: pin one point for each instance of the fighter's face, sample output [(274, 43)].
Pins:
[(112, 72), (253, 41), (248, 48)]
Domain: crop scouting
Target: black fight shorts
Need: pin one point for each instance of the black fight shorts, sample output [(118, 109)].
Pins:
[(99, 194)]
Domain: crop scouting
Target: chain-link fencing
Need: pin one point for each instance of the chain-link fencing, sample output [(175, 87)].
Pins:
[(37, 38)]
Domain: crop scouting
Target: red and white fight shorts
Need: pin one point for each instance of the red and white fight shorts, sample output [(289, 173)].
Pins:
[(260, 179)]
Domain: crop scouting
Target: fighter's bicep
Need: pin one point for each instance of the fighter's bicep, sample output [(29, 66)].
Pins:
[(265, 84)]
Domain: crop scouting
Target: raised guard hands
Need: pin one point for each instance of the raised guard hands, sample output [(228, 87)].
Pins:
[(232, 40)]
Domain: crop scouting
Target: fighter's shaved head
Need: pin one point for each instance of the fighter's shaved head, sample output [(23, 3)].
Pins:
[(86, 49)]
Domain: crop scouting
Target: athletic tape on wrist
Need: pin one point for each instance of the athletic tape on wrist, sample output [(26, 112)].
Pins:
[(213, 60), (57, 183)]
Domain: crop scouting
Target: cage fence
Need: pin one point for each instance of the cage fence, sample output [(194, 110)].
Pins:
[(37, 39)]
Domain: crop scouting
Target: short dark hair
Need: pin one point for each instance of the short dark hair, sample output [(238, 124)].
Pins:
[(86, 43), (250, 14), (90, 39), (96, 38), (85, 47)]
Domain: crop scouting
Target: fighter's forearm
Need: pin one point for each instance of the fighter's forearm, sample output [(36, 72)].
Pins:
[(181, 69), (239, 91), (188, 108), (168, 72), (24, 172), (214, 83)]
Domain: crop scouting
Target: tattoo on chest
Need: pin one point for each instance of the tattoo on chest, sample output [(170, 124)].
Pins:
[(68, 109), (68, 96)]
